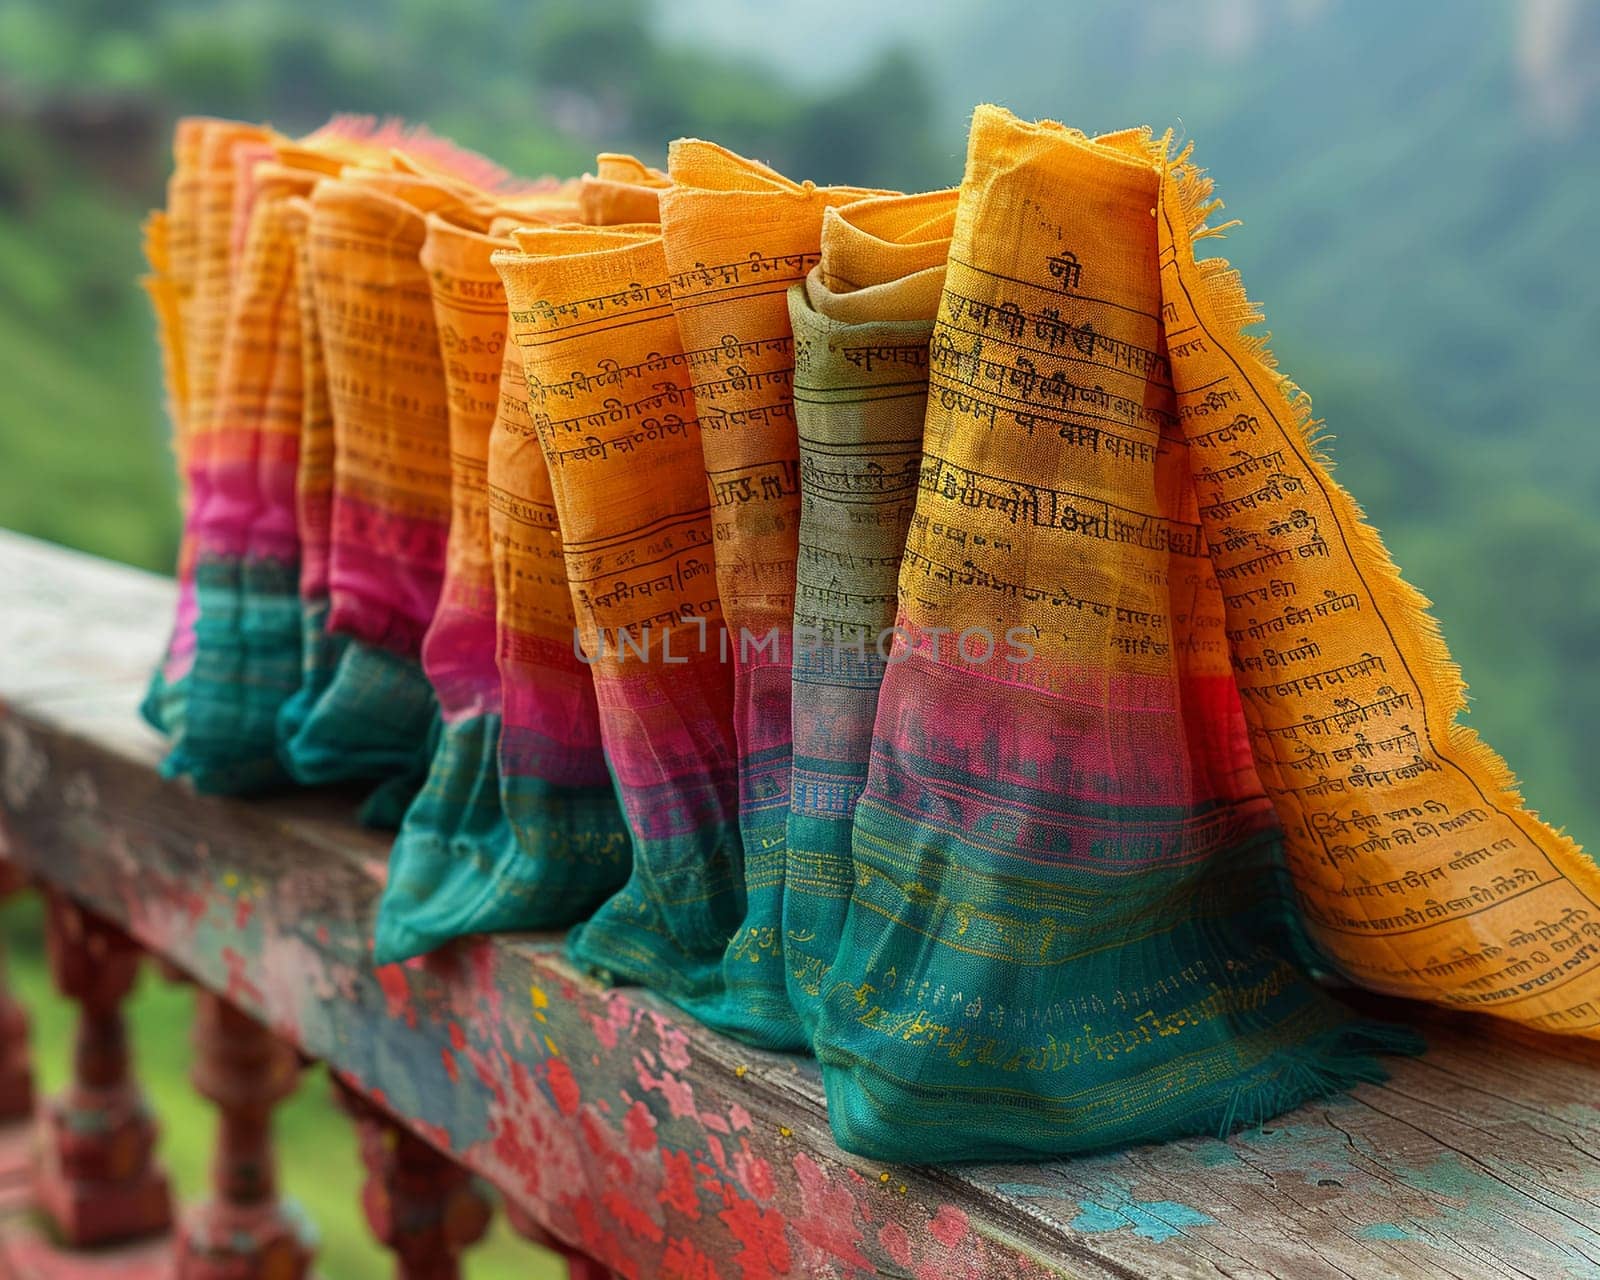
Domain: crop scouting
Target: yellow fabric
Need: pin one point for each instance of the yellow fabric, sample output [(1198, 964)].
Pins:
[(611, 409), (259, 375), (364, 708), (883, 259), (161, 287), (469, 314), (205, 309), (386, 383), (861, 324), (737, 236), (1418, 867), (533, 602), (622, 189), (1068, 926), (314, 463)]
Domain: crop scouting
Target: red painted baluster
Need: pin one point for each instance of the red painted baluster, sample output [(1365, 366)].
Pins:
[(243, 1232), (580, 1266), (419, 1203), (96, 1176), (16, 1070)]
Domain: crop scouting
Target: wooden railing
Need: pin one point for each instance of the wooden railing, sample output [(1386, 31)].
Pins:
[(615, 1128)]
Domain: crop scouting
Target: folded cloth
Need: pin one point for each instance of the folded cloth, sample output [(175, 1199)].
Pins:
[(1419, 870), (325, 650), (542, 844), (242, 525), (737, 235), (1070, 928), (390, 503), (611, 409), (861, 323), (194, 291), (313, 495), (622, 189)]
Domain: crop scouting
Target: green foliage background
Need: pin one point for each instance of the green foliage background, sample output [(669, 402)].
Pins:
[(1419, 183)]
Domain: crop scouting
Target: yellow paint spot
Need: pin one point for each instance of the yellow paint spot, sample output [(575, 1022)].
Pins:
[(901, 1188), (231, 879), (741, 1071), (784, 1131), (884, 1177), (551, 1045), (540, 1002)]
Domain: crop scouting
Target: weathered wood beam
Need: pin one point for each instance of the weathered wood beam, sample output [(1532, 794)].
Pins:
[(629, 1132)]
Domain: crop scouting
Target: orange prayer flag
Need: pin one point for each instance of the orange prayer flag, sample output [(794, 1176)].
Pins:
[(1069, 927), (1419, 869), (737, 236), (622, 189), (861, 320), (612, 411)]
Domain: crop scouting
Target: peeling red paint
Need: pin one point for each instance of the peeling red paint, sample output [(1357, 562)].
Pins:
[(563, 1087), (519, 1157), (458, 1037), (679, 1192), (396, 992), (615, 1023), (949, 1226), (243, 909), (829, 1223), (192, 904), (450, 1068), (738, 1117), (597, 1241), (240, 989), (521, 1081), (640, 1127), (674, 1043), (754, 1172), (683, 1261), (679, 1094), (631, 1218), (896, 1243), (764, 1248)]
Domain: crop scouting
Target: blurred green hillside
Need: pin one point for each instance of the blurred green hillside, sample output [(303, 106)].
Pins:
[(1419, 184)]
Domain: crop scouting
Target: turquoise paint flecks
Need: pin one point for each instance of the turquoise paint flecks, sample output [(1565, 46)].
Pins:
[(1157, 1220), (1448, 1176), (1384, 1231), (1030, 1190), (1214, 1153)]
